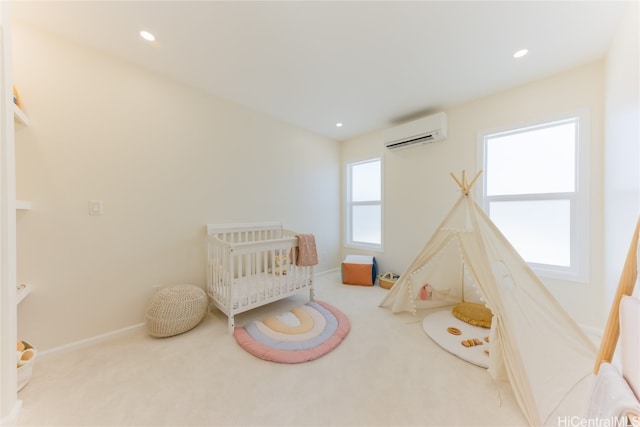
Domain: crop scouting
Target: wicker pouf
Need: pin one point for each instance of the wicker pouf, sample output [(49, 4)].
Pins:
[(175, 310)]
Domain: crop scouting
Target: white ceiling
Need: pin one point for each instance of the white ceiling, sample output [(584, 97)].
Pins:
[(366, 64)]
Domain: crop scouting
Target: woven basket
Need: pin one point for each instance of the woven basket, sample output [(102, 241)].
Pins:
[(387, 280), (474, 314), (25, 371), (175, 310)]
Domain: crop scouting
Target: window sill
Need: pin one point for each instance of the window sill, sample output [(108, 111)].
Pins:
[(364, 246), (560, 274)]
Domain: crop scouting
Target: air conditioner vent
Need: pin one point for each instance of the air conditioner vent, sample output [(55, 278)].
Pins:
[(427, 129)]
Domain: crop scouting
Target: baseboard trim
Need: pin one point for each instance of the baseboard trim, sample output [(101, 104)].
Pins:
[(68, 348), (325, 272)]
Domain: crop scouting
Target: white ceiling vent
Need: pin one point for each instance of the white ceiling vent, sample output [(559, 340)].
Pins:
[(427, 129)]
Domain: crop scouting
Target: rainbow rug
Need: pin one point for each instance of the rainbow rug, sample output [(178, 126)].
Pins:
[(305, 333)]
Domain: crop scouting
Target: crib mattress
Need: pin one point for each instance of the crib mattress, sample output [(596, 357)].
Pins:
[(250, 291)]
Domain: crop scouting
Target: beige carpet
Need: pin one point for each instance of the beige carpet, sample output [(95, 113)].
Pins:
[(387, 372)]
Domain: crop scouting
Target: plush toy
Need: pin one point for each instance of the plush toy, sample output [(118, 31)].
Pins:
[(426, 292), (282, 264)]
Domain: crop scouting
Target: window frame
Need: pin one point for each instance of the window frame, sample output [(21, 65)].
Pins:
[(578, 270), (350, 204)]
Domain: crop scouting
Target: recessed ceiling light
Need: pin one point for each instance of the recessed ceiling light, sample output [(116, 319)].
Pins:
[(521, 53), (147, 35), (339, 125)]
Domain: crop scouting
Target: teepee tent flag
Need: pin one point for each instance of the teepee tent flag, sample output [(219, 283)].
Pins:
[(534, 342)]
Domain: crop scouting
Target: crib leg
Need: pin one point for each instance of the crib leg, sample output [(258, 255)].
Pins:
[(231, 323), (312, 292)]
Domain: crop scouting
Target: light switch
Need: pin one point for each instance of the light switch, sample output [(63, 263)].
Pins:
[(95, 207)]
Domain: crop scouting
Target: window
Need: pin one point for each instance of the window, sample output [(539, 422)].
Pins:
[(364, 204), (535, 189)]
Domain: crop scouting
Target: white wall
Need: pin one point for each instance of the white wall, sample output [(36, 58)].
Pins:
[(622, 153), (419, 192), (165, 159)]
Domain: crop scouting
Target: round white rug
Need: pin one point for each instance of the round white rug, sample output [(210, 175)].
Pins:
[(438, 326)]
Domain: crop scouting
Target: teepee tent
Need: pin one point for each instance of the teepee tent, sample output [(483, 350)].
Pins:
[(534, 343)]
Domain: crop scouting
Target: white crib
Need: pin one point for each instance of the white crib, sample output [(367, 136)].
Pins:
[(253, 264)]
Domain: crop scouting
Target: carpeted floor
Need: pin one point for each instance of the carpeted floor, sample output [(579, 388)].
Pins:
[(386, 372)]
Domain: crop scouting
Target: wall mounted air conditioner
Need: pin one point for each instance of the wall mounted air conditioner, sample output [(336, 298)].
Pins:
[(427, 129)]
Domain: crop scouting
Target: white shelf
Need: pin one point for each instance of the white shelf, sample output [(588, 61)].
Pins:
[(23, 291), (23, 204), (19, 116)]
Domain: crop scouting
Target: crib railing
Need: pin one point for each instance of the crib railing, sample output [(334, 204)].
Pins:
[(250, 265)]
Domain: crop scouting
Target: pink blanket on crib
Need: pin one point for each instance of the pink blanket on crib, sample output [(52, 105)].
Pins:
[(307, 253)]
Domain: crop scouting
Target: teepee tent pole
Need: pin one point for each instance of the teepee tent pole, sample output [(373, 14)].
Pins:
[(625, 287), (462, 280), (473, 181), (456, 180), (463, 183)]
